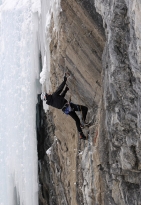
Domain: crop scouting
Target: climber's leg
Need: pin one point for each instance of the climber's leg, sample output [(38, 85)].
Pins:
[(77, 120), (80, 108)]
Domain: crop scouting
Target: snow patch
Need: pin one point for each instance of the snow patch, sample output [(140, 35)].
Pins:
[(36, 6), (48, 152), (44, 72), (55, 138)]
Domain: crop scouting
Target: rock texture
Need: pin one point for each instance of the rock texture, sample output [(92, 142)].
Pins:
[(120, 130), (99, 44)]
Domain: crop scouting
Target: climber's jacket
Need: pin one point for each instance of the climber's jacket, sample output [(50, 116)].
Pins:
[(56, 100)]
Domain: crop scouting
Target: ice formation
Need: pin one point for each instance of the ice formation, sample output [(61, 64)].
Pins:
[(24, 36), (18, 90)]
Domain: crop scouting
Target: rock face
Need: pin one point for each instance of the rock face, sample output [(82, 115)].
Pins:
[(99, 44), (120, 130)]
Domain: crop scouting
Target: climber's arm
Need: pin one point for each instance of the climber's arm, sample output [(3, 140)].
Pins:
[(64, 92), (60, 88)]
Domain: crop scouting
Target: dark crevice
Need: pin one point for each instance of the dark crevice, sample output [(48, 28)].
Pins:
[(133, 148)]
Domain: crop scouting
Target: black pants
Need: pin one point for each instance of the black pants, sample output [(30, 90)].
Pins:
[(73, 114)]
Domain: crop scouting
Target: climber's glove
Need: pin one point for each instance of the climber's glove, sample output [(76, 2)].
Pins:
[(65, 77)]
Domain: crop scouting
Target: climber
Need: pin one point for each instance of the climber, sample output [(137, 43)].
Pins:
[(57, 100)]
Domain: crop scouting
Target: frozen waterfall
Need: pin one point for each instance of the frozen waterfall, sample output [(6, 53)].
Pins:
[(24, 35), (19, 72)]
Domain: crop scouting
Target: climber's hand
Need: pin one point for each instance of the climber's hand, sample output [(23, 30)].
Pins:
[(65, 78), (67, 75)]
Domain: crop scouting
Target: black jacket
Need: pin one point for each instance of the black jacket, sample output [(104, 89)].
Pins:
[(56, 100)]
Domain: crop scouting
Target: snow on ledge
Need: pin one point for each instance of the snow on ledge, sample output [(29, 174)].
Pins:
[(48, 152)]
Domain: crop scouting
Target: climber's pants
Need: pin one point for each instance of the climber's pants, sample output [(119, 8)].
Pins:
[(73, 114)]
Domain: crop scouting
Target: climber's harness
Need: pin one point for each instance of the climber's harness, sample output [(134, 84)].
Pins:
[(66, 108)]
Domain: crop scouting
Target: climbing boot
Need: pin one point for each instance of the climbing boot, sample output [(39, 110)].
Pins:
[(84, 124), (82, 136)]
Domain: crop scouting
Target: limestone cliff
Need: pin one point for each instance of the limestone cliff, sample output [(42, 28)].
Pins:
[(99, 44)]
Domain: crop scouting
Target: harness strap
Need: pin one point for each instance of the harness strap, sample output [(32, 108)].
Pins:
[(66, 108), (65, 105)]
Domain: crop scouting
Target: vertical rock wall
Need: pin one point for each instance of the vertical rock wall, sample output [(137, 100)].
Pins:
[(120, 130), (104, 64)]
